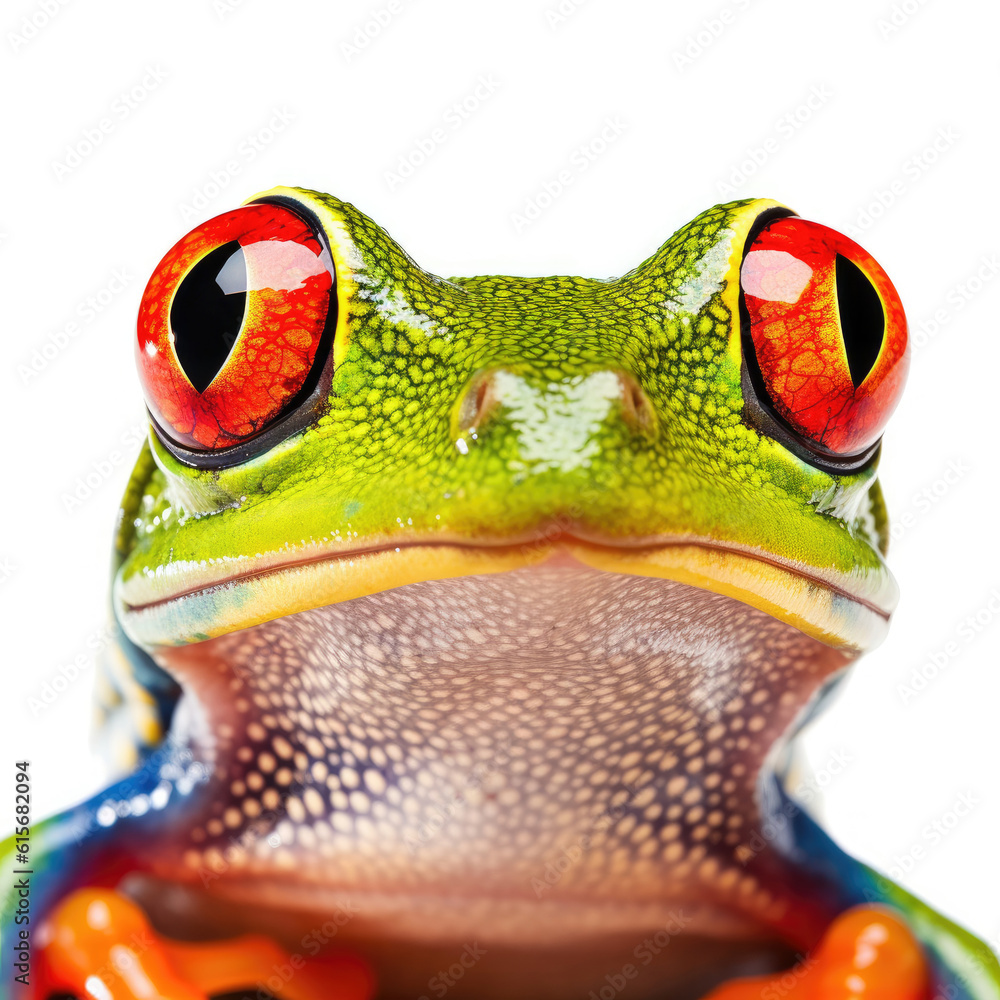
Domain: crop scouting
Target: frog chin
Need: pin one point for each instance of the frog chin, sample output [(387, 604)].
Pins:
[(544, 756)]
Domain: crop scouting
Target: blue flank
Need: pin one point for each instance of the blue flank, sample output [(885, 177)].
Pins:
[(72, 849), (965, 968)]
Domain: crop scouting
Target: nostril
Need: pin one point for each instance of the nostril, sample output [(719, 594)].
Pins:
[(637, 410), (633, 398), (479, 402)]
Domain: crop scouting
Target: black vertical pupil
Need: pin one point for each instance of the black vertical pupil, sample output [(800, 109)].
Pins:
[(206, 315), (862, 320)]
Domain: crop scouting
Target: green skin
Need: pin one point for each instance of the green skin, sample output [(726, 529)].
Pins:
[(388, 458)]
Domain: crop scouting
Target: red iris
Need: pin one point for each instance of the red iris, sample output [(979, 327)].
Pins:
[(230, 325), (828, 333)]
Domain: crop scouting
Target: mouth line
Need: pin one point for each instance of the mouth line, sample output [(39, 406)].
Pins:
[(558, 544), (824, 604)]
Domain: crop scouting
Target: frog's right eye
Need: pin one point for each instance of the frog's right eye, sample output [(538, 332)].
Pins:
[(234, 326), (824, 337)]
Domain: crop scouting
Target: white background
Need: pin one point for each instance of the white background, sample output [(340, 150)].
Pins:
[(885, 86)]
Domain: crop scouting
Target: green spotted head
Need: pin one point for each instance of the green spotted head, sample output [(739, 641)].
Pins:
[(329, 420)]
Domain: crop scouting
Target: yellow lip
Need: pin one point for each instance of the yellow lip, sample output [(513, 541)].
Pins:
[(829, 610)]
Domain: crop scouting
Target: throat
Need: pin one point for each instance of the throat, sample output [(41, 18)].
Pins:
[(554, 739)]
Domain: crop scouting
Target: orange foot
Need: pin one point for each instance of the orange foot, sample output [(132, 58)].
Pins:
[(98, 945), (867, 952)]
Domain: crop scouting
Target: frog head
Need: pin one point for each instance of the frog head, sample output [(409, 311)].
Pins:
[(574, 553), (669, 423)]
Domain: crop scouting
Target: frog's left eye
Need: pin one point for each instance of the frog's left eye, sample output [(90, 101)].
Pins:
[(824, 336), (233, 326)]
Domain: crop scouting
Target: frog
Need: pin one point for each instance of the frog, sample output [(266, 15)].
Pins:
[(464, 629)]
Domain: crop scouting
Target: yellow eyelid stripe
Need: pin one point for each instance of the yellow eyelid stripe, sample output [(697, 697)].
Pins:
[(741, 225)]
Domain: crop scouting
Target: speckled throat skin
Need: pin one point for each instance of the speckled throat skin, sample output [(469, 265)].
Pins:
[(539, 761)]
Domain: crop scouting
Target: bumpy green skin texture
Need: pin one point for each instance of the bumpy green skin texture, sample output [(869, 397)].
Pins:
[(380, 463)]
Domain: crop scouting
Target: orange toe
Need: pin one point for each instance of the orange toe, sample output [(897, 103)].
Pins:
[(867, 953), (100, 946)]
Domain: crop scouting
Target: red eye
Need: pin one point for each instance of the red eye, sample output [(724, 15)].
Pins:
[(828, 334), (231, 324)]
